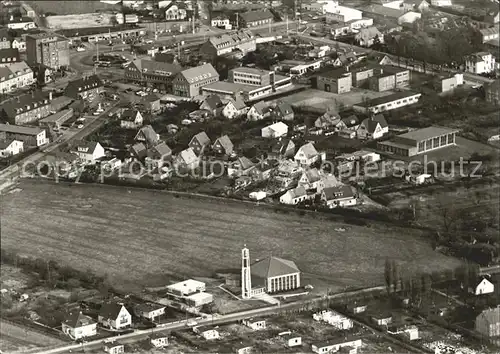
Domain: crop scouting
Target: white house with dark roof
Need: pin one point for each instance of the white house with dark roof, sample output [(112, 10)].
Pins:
[(223, 146), (188, 82), (114, 315), (199, 143), (307, 155), (373, 128), (77, 326), (295, 196), (241, 167), (150, 311), (483, 287), (480, 63), (175, 11), (131, 119), (340, 196), (148, 136), (312, 179), (159, 340), (258, 111), (83, 88), (234, 108), (89, 151), (256, 325), (30, 136), (10, 147)]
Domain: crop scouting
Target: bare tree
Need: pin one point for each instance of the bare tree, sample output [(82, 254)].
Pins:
[(388, 274)]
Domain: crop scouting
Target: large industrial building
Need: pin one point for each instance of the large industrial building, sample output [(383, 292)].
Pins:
[(419, 141), (270, 275), (242, 41), (47, 49)]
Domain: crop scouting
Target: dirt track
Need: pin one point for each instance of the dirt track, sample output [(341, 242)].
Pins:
[(145, 238)]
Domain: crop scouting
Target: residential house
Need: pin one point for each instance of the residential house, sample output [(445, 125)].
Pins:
[(351, 122), (295, 196), (207, 333), (355, 308), (138, 151), (83, 88), (151, 103), (331, 346), (226, 44), (176, 11), (484, 287), (489, 34), (78, 326), (366, 37), (259, 111), (255, 18), (221, 22), (255, 325), (150, 311), (159, 340), (89, 151), (4, 38), (131, 119), (282, 149), (223, 146), (114, 348), (312, 179), (373, 128), (9, 56), (15, 76), (158, 155), (276, 130), (416, 5), (319, 52), (263, 170), (335, 319), (336, 81), (450, 83), (340, 196), (152, 73), (329, 121), (212, 103), (488, 322), (25, 109), (115, 316), (382, 319), (345, 59), (10, 147), (307, 155), (30, 136), (411, 332), (234, 108), (241, 167), (282, 111), (148, 136), (199, 142), (188, 82), (480, 63), (19, 43), (187, 159), (292, 340)]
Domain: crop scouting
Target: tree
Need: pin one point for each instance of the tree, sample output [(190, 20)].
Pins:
[(388, 274), (395, 275), (426, 284)]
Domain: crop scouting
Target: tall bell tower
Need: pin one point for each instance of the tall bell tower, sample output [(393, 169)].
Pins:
[(246, 282)]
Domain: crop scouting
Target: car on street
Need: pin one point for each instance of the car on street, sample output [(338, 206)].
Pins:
[(80, 126)]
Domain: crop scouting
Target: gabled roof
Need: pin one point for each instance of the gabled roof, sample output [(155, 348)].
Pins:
[(89, 146), (225, 142), (281, 146), (110, 310), (129, 114), (368, 33), (237, 103), (261, 107), (149, 135), (200, 73), (157, 67), (77, 319), (329, 119), (19, 129), (309, 150), (162, 149), (244, 163), (188, 156), (4, 144), (491, 316), (9, 53), (229, 40), (202, 138), (19, 68), (213, 101), (20, 104), (338, 192), (273, 267), (139, 150), (84, 84), (283, 109), (351, 121), (312, 175), (259, 15)]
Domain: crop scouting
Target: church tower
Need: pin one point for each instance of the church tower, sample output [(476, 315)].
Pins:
[(246, 283)]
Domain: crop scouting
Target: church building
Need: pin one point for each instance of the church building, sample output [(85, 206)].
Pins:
[(269, 275)]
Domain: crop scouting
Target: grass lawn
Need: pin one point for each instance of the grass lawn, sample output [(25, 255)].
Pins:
[(147, 238), (70, 7)]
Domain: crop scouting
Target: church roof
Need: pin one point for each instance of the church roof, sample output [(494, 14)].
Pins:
[(273, 267)]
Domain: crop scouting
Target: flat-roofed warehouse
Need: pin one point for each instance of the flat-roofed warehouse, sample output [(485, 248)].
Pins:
[(419, 141), (57, 119)]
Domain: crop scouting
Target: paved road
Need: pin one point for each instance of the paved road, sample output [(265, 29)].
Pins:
[(223, 319)]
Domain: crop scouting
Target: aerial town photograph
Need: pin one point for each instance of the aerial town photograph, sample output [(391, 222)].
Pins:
[(250, 176)]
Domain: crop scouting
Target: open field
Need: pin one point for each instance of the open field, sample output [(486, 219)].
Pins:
[(78, 21), (146, 238), (321, 100), (16, 339)]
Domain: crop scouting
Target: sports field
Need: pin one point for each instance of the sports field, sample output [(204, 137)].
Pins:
[(146, 238)]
